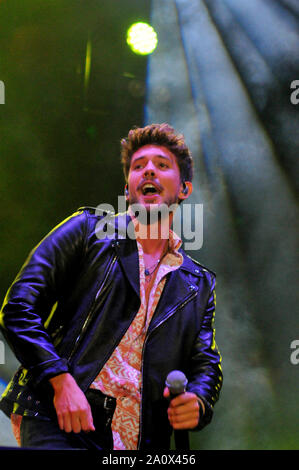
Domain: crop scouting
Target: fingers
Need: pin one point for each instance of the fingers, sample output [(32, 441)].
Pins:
[(75, 424), (60, 421), (72, 408), (183, 411), (87, 421), (186, 421), (76, 420)]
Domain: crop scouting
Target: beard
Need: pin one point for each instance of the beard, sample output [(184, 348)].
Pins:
[(150, 214)]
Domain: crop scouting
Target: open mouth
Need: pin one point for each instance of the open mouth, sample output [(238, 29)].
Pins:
[(149, 189)]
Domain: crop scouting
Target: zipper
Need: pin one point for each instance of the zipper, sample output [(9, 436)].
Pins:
[(91, 312), (172, 312)]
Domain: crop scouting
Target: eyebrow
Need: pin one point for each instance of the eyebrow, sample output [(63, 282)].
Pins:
[(165, 157)]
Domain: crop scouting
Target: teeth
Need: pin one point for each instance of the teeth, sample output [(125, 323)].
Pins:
[(148, 186)]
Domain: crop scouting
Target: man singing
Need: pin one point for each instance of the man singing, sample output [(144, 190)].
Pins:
[(97, 322)]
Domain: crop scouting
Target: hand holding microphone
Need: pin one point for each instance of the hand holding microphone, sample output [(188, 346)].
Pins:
[(184, 409)]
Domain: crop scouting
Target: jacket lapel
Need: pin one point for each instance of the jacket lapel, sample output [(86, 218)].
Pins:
[(127, 251), (178, 288)]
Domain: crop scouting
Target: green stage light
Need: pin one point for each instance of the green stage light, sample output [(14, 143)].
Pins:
[(142, 38)]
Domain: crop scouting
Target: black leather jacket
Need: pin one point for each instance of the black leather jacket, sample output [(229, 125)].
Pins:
[(74, 299)]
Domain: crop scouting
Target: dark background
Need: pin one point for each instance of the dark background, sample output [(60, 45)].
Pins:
[(60, 139)]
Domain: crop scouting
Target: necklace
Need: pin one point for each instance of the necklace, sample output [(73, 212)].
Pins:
[(151, 269), (148, 271)]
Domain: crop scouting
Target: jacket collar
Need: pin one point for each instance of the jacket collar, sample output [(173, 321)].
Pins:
[(127, 252)]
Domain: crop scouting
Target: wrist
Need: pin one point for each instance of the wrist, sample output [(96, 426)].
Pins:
[(202, 407), (59, 381)]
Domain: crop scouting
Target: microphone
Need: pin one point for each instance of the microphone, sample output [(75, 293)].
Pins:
[(176, 382)]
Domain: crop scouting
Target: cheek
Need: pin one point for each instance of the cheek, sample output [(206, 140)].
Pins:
[(131, 182), (173, 183)]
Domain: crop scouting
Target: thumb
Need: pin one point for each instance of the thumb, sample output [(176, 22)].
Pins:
[(166, 393)]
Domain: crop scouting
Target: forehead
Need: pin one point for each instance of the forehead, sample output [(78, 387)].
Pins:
[(151, 151)]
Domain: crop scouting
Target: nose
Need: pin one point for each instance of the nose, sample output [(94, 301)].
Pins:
[(149, 169)]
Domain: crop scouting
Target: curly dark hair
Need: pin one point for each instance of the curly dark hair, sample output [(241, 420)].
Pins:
[(157, 134)]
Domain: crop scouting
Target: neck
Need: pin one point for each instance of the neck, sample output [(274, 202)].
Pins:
[(153, 247), (153, 237)]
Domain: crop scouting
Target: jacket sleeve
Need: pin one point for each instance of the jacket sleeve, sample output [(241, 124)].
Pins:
[(205, 377), (37, 287)]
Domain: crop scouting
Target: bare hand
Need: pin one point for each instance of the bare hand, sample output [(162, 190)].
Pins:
[(183, 411), (72, 408)]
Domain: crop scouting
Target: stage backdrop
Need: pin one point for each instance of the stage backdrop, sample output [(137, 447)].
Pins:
[(223, 74)]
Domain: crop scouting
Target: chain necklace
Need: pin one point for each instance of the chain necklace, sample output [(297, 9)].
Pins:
[(150, 271)]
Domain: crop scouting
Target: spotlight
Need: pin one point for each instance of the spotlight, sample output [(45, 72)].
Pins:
[(142, 38)]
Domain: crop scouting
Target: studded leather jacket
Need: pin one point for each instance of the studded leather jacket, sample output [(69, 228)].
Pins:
[(74, 299)]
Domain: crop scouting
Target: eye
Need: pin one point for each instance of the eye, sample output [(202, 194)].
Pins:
[(137, 166), (163, 165)]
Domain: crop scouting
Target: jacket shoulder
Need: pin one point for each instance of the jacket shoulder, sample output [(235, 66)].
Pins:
[(87, 209), (202, 267), (191, 264), (95, 210)]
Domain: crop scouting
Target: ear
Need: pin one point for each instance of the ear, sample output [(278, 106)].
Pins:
[(126, 192), (186, 190)]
